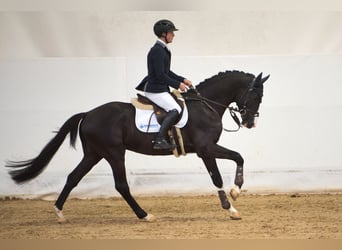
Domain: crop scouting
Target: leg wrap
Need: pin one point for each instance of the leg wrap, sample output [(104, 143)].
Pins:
[(239, 176), (224, 200)]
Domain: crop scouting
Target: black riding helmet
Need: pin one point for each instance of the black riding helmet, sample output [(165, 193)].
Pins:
[(163, 26)]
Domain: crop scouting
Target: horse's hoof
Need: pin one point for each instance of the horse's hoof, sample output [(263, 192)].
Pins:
[(235, 216), (234, 194), (61, 218), (149, 218)]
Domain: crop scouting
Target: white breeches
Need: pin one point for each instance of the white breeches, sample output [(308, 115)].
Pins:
[(164, 100)]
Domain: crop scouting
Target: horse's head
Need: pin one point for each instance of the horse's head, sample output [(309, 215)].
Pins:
[(250, 100)]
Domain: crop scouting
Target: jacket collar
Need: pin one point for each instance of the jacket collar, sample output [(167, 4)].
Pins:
[(163, 44)]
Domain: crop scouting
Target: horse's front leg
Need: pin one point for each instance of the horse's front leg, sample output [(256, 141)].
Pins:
[(215, 175), (217, 151)]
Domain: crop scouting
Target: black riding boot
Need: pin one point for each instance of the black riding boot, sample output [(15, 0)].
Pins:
[(161, 142)]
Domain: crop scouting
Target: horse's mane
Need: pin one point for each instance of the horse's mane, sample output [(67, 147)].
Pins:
[(228, 73)]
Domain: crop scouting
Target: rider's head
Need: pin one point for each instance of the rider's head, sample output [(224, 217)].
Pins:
[(164, 29)]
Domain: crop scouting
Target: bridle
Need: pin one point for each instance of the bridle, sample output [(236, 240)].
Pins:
[(232, 110), (244, 110)]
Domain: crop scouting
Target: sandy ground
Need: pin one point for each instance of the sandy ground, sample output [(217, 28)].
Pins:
[(286, 216)]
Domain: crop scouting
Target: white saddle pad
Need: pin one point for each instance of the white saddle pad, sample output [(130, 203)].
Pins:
[(145, 123)]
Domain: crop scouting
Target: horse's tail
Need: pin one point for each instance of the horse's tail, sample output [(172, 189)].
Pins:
[(27, 170)]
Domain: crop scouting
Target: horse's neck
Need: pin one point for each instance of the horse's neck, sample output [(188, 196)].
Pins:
[(222, 91)]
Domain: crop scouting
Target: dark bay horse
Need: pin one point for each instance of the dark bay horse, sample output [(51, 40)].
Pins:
[(109, 130)]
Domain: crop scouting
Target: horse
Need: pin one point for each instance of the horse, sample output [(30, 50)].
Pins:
[(107, 131)]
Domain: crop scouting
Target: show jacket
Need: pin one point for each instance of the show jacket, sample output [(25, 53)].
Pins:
[(159, 77)]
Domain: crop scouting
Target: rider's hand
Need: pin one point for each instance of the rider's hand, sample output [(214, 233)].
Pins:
[(187, 82), (182, 86)]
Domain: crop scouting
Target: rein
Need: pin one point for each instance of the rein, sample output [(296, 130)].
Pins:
[(232, 110)]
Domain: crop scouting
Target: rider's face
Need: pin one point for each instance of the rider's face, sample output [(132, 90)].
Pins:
[(169, 37)]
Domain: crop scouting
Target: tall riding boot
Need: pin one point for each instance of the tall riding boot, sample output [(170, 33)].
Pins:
[(161, 142)]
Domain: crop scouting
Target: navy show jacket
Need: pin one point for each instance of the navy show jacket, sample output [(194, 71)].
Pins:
[(159, 77)]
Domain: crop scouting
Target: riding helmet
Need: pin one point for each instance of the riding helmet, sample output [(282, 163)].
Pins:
[(163, 26)]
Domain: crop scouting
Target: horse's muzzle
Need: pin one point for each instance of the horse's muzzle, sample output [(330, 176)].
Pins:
[(249, 124)]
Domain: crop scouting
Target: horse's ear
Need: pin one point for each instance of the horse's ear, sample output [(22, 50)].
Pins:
[(258, 78), (256, 82), (264, 79)]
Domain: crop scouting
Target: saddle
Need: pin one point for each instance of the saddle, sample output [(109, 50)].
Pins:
[(142, 102)]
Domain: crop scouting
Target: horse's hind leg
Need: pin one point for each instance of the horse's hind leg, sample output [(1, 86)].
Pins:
[(116, 159), (73, 179)]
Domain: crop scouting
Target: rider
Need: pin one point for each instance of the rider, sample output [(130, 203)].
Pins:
[(156, 84)]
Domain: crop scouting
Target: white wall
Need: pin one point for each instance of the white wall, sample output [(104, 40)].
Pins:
[(55, 64), (201, 33)]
